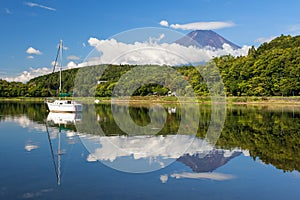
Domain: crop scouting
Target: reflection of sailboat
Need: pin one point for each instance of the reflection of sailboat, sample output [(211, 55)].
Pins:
[(60, 119), (62, 105), (56, 166), (64, 118)]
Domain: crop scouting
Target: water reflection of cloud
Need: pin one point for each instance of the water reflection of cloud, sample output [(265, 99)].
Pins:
[(171, 146), (212, 176), (91, 158), (30, 147), (164, 178), (38, 194), (25, 122), (143, 153)]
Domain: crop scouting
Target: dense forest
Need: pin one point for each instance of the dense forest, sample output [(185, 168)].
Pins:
[(272, 69)]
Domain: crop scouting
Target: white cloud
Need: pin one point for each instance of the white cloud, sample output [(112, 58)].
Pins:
[(113, 52), (199, 25), (31, 4), (35, 72), (83, 45), (94, 41), (156, 39), (32, 50), (265, 39), (149, 52), (73, 57), (27, 75), (202, 25), (164, 23), (30, 57), (211, 176), (71, 65)]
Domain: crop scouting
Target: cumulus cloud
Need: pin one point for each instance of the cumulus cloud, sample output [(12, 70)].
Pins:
[(164, 23), (73, 57), (94, 41), (198, 25), (152, 51), (35, 72), (32, 50), (71, 65), (27, 75), (156, 39), (30, 57), (114, 52), (31, 4)]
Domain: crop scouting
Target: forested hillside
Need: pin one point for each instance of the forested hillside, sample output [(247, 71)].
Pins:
[(273, 69)]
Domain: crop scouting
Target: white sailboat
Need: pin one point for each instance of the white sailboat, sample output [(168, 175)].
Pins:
[(62, 105)]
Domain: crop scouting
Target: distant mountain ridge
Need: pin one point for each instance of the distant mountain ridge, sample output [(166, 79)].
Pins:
[(203, 38)]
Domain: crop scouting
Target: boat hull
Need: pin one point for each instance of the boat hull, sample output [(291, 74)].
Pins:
[(64, 106)]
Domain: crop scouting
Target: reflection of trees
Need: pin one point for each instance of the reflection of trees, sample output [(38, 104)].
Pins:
[(139, 114), (271, 135), (34, 111)]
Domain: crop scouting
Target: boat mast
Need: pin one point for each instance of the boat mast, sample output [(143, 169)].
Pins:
[(60, 67), (58, 157)]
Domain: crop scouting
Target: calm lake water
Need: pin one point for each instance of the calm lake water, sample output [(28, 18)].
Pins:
[(66, 156)]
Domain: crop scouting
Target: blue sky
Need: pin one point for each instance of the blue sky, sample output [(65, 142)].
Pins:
[(41, 24)]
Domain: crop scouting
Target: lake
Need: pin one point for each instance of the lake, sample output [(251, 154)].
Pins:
[(100, 154)]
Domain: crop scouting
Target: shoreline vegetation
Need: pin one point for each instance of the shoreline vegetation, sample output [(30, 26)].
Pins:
[(173, 100)]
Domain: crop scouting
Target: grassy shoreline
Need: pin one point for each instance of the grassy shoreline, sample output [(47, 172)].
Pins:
[(165, 99)]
